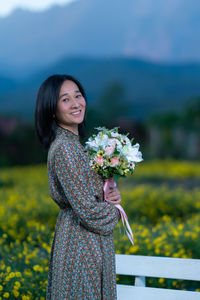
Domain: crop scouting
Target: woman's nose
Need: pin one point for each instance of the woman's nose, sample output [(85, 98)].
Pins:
[(75, 102)]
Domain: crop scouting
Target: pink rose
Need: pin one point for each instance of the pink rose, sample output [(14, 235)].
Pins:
[(109, 150), (114, 161), (113, 142), (99, 160)]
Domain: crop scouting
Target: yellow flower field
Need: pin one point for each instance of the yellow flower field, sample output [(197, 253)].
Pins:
[(165, 222)]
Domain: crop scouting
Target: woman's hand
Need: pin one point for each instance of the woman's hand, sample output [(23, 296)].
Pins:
[(114, 196)]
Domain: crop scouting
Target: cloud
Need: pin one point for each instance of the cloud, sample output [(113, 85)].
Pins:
[(8, 6)]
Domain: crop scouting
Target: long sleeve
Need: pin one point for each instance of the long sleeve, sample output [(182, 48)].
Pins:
[(72, 171)]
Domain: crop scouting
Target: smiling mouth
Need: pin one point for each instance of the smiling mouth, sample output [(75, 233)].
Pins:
[(77, 113)]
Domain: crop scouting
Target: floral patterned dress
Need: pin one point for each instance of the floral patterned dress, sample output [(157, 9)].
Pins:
[(82, 258)]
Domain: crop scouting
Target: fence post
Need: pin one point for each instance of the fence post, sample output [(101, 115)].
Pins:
[(140, 281)]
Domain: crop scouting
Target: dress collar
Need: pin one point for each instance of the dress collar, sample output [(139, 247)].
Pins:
[(69, 133)]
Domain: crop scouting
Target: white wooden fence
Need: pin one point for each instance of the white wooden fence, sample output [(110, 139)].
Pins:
[(156, 266)]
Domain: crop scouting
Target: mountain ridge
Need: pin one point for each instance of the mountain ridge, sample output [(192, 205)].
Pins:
[(148, 87), (168, 31)]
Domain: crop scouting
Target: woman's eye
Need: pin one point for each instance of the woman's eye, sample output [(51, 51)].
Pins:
[(65, 99), (79, 95)]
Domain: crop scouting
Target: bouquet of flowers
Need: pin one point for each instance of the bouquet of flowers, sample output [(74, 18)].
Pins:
[(112, 155)]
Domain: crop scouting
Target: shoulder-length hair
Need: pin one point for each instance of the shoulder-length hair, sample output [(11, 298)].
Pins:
[(46, 103)]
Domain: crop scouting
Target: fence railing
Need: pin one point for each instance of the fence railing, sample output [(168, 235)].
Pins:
[(155, 266)]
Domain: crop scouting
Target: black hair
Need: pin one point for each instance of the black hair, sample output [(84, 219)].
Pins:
[(46, 103)]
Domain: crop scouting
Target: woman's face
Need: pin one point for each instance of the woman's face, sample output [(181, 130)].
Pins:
[(70, 106)]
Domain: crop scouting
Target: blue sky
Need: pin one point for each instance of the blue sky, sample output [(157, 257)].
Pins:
[(7, 6)]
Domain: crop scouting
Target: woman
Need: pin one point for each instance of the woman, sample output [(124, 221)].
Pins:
[(82, 259)]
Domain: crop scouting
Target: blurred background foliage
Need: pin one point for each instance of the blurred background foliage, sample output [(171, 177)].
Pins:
[(161, 135)]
